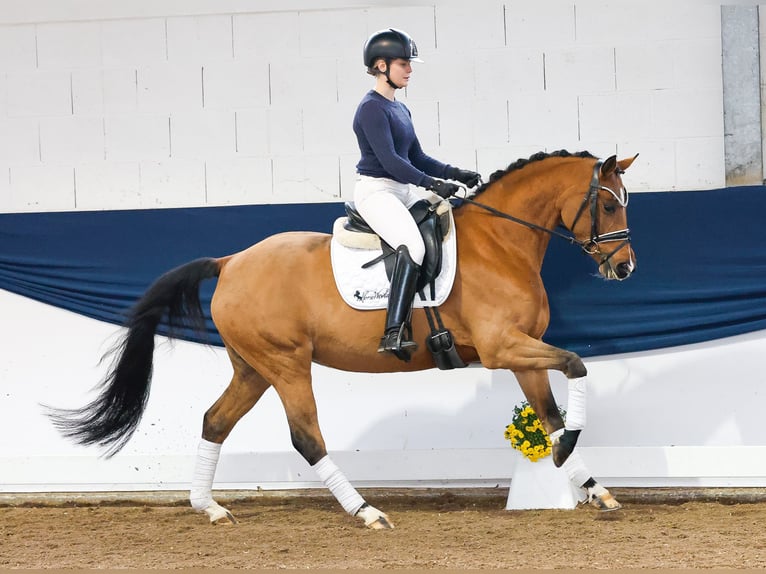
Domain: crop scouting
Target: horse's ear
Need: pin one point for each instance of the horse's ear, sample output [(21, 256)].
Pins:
[(609, 165), (624, 164)]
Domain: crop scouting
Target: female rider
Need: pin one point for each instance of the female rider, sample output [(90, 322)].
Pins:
[(391, 161)]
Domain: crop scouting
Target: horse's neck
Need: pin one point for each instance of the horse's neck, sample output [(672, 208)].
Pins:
[(527, 199)]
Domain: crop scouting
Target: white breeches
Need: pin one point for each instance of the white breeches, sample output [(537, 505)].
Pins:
[(384, 204)]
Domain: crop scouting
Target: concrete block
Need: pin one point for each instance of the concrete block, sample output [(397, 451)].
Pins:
[(544, 24), (331, 33), (42, 188), (307, 179), (492, 159), (71, 139), (700, 163), (239, 181), (18, 48), (20, 140), (649, 21), (473, 123), (202, 135), (69, 45), (353, 79), (88, 92), (618, 115), (328, 129), (169, 88), (500, 72), (108, 185), (489, 121), (266, 36), (252, 132), (697, 64), (42, 93), (137, 137), (655, 167), (417, 21), (474, 25), (428, 81), (237, 84), (200, 39), (100, 92), (645, 66), (285, 130), (119, 45), (542, 120), (173, 183), (687, 113), (581, 70), (290, 79)]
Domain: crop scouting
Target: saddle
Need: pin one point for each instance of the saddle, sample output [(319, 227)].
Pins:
[(433, 221)]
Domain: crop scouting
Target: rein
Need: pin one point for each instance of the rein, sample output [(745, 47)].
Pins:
[(591, 246)]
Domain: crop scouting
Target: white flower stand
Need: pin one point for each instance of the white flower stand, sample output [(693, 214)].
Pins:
[(540, 485)]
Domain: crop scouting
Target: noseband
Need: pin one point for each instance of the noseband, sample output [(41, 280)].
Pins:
[(591, 246)]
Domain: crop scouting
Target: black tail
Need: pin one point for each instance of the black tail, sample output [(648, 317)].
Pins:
[(111, 419)]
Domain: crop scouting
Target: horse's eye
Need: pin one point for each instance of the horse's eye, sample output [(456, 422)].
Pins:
[(609, 207)]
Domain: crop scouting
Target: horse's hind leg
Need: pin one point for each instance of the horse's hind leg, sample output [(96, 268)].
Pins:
[(244, 390), (300, 406)]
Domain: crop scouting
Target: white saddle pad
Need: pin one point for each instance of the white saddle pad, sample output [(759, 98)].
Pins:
[(367, 289)]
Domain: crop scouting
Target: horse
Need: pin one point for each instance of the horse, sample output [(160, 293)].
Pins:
[(497, 312)]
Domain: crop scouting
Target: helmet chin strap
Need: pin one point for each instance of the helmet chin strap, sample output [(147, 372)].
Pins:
[(387, 73)]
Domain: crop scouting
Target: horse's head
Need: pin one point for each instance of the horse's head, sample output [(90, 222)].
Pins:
[(599, 220)]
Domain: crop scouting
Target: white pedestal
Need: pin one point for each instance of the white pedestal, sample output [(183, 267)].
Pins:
[(540, 485)]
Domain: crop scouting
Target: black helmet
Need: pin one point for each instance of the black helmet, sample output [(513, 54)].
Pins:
[(390, 44)]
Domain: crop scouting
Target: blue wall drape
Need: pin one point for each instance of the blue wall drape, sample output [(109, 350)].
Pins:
[(701, 264)]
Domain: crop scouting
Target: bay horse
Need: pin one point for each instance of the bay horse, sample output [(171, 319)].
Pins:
[(497, 312)]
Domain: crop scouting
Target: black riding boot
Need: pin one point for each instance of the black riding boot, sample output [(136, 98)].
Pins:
[(398, 331)]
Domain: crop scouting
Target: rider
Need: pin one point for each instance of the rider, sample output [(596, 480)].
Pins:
[(391, 161)]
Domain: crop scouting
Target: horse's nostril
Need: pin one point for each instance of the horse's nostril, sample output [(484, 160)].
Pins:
[(624, 269)]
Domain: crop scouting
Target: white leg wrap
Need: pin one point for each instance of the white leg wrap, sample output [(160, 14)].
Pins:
[(575, 468), (341, 488), (577, 404), (201, 495)]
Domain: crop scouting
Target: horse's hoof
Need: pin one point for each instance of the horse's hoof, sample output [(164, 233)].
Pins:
[(219, 515), (374, 518), (604, 502), (575, 368)]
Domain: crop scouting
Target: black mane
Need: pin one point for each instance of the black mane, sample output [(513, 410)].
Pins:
[(520, 163)]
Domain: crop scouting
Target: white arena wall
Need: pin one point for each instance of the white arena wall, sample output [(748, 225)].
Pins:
[(686, 416), (126, 105)]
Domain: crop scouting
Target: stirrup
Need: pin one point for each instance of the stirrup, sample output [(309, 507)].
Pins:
[(394, 341)]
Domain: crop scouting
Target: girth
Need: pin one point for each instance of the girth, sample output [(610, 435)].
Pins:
[(433, 227)]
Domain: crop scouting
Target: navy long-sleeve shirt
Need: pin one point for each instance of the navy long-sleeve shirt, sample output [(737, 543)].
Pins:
[(389, 145)]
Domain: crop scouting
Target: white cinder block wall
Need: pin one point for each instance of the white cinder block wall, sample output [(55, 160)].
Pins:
[(133, 105)]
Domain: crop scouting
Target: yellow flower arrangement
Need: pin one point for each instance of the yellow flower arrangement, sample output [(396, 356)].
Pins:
[(527, 434)]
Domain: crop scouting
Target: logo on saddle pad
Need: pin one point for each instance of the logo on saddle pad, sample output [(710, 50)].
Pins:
[(359, 266)]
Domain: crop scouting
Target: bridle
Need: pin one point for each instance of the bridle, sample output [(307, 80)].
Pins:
[(591, 246)]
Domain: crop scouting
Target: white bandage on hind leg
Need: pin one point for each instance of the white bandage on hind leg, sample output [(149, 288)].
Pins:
[(575, 468), (576, 406), (201, 494), (341, 488)]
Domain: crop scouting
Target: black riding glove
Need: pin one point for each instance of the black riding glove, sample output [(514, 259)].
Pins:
[(444, 189), (469, 178)]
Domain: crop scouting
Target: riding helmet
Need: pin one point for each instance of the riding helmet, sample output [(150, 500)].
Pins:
[(390, 44)]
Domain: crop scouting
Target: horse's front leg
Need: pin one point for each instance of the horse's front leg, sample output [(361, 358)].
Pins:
[(536, 387)]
